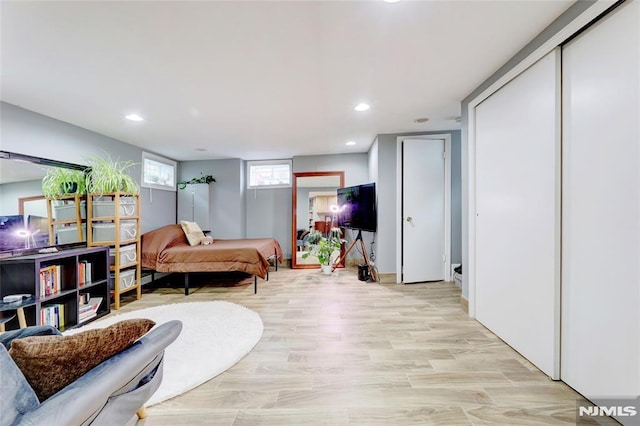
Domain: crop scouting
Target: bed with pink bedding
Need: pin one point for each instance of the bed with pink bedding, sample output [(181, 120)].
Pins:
[(166, 249)]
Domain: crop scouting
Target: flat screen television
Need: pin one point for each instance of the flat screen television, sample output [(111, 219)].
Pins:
[(9, 228), (357, 206)]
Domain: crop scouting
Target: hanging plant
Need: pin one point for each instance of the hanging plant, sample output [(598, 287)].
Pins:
[(202, 179)]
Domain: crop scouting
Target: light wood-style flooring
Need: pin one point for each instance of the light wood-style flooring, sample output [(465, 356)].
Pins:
[(338, 351)]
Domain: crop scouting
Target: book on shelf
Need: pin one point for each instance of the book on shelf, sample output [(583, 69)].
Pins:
[(53, 315), (81, 273), (87, 272), (86, 316), (88, 310), (58, 280), (48, 281), (84, 273)]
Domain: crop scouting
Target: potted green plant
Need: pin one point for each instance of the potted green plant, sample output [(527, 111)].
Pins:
[(202, 179), (60, 182), (326, 249), (108, 176)]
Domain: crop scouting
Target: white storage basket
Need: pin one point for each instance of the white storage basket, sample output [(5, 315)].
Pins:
[(127, 279), (128, 255), (104, 232), (106, 207), (69, 234)]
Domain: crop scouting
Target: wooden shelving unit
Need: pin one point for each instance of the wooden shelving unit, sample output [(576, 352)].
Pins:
[(73, 202), (23, 275), (118, 228)]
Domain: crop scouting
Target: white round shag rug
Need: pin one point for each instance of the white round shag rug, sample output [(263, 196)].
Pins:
[(215, 335)]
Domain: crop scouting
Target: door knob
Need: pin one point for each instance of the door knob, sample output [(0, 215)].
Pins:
[(409, 218)]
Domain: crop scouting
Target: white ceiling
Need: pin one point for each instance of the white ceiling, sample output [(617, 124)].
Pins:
[(257, 80)]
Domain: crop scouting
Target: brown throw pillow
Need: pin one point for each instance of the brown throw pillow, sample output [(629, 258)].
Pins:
[(193, 232), (50, 363)]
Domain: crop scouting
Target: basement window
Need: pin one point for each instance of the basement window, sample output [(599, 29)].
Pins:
[(269, 174), (158, 172)]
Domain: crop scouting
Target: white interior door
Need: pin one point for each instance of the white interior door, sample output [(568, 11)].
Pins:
[(423, 210), (517, 213), (601, 209)]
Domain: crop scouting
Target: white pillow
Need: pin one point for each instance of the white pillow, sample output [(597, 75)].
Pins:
[(192, 231)]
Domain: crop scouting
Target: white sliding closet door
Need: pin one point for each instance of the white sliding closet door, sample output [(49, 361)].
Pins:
[(517, 223), (601, 208)]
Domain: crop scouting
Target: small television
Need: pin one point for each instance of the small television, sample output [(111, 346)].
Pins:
[(357, 207)]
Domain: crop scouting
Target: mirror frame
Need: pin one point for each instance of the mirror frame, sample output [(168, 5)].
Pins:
[(23, 200), (7, 155), (294, 218)]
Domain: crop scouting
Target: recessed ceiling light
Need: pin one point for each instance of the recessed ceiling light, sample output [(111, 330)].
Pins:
[(134, 117), (391, 1), (350, 143), (362, 107), (421, 120)]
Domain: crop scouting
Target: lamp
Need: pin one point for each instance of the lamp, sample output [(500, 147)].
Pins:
[(334, 214), (29, 241)]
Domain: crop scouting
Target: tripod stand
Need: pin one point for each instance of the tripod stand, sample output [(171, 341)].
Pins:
[(372, 270)]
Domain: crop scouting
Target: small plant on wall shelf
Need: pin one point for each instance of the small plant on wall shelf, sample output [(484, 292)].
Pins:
[(60, 182), (202, 179), (107, 176)]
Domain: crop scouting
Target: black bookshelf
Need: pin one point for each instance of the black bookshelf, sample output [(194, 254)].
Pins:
[(22, 275)]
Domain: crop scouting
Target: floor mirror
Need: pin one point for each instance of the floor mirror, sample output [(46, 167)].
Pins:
[(314, 195)]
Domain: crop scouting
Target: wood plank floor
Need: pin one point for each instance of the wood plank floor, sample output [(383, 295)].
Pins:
[(338, 351)]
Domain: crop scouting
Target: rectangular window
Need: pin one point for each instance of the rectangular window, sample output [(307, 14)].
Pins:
[(158, 172), (269, 174)]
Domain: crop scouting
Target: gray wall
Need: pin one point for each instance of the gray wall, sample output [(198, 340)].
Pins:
[(384, 150), (373, 161), (29, 133), (227, 194), (10, 192), (302, 206), (268, 214), (355, 166), (456, 197)]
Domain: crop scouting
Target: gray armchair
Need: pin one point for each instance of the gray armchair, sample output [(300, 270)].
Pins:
[(109, 394)]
